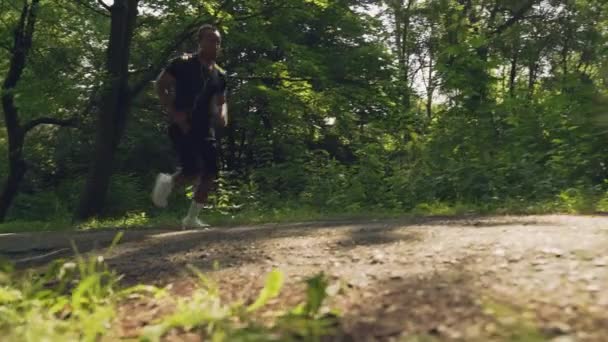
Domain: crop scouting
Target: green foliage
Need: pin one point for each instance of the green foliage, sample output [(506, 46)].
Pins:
[(579, 200), (308, 321), (273, 286), (79, 300), (520, 328), (71, 300), (205, 314), (328, 110), (40, 206), (132, 219)]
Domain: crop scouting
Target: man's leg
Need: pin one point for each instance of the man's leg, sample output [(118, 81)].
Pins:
[(179, 178), (201, 194), (203, 189), (162, 189), (204, 186), (165, 183)]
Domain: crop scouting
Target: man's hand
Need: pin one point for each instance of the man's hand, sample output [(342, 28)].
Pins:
[(220, 116), (222, 111)]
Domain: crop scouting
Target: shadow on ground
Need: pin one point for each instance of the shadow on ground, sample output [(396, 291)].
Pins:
[(224, 245)]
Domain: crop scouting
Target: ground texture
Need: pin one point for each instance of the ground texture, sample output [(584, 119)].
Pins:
[(520, 278)]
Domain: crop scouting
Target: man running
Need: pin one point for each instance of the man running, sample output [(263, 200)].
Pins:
[(192, 89)]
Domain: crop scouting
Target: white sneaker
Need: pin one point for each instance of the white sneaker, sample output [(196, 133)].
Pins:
[(189, 222), (162, 189)]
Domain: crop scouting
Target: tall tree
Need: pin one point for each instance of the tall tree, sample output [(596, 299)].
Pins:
[(120, 85), (113, 106), (16, 130)]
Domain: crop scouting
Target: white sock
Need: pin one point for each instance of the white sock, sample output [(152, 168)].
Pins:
[(195, 209), (171, 179)]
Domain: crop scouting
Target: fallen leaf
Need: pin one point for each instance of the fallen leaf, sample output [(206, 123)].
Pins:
[(553, 251), (558, 328), (359, 280), (378, 258), (396, 276), (508, 321), (539, 261), (514, 258), (490, 328), (593, 288), (391, 308), (333, 289)]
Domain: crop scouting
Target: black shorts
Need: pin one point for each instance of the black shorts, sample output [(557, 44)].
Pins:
[(196, 153)]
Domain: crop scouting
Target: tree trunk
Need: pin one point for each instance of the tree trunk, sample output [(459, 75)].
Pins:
[(479, 85), (429, 93), (531, 78), (431, 82), (513, 74), (16, 133), (402, 15), (16, 172), (113, 109)]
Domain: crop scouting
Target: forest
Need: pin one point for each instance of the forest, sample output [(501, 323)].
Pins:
[(339, 109), (336, 107)]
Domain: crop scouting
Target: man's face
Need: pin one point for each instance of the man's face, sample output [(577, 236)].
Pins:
[(209, 42)]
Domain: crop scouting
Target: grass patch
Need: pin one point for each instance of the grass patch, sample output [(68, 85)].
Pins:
[(568, 202), (79, 301), (35, 226), (512, 324)]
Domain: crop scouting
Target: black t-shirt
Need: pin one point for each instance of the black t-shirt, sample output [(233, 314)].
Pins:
[(195, 87)]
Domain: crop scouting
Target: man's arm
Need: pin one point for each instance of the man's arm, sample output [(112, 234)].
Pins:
[(165, 88), (223, 110), (220, 102)]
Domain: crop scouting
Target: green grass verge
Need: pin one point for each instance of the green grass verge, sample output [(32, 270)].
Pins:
[(79, 301), (569, 202)]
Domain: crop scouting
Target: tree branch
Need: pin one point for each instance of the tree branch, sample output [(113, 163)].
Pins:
[(519, 14), (6, 47), (94, 9), (48, 121), (222, 6), (154, 69), (300, 79), (266, 11), (23, 42), (104, 5), (273, 78)]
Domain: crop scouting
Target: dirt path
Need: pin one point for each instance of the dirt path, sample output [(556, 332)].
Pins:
[(472, 279)]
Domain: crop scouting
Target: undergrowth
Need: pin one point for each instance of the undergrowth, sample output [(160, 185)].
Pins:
[(78, 301)]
